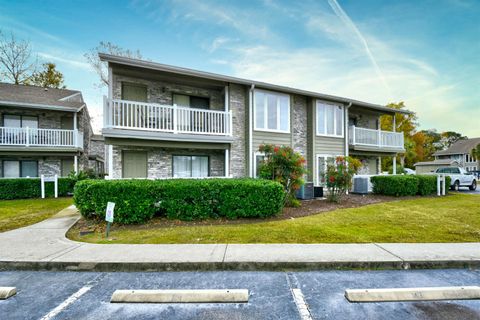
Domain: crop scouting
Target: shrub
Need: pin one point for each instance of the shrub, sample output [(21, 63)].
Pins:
[(24, 188), (406, 185), (137, 201), (395, 185), (339, 175), (284, 165)]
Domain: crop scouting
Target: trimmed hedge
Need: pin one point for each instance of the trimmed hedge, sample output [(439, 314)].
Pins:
[(406, 185), (137, 201), (25, 188)]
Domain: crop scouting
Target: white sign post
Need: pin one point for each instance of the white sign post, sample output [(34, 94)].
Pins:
[(441, 184), (109, 215), (53, 179)]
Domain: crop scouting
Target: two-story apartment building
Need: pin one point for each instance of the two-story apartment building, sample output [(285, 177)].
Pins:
[(42, 131), (162, 121)]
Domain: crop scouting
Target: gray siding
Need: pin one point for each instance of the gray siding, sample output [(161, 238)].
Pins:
[(329, 145), (263, 137)]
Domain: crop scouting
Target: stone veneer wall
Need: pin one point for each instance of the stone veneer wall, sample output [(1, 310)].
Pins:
[(238, 106), (159, 160), (299, 125)]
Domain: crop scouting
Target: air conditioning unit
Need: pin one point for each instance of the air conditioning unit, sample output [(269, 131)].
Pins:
[(360, 185), (318, 192), (306, 191)]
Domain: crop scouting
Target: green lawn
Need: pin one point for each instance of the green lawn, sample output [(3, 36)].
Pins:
[(455, 218), (19, 213)]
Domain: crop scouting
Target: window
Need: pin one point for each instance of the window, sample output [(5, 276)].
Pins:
[(67, 167), (330, 119), (134, 92), (14, 121), (22, 168), (322, 162), (134, 164), (272, 111), (182, 100), (190, 166), (259, 157)]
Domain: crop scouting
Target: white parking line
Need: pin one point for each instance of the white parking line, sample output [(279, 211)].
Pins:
[(66, 303), (301, 304)]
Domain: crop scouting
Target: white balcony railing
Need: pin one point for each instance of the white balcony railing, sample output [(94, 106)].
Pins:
[(125, 114), (375, 138), (12, 136)]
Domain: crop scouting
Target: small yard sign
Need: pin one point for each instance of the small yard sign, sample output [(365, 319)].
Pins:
[(109, 215)]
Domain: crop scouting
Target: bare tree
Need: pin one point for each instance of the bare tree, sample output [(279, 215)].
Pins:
[(16, 62), (99, 66)]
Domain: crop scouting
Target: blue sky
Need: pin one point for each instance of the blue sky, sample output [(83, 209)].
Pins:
[(426, 53)]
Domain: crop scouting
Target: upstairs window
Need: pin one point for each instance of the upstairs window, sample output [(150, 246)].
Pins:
[(330, 119), (271, 111), (134, 92), (183, 100), (20, 121)]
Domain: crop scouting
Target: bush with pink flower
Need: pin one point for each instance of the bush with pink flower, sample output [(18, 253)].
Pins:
[(284, 165), (339, 175)]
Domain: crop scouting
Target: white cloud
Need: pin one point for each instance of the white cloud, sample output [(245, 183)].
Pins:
[(73, 62)]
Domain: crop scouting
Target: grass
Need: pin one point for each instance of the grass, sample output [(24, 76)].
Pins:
[(20, 213), (455, 218)]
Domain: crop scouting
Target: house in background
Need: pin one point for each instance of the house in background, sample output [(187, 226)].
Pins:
[(163, 121), (458, 155), (42, 131), (96, 154)]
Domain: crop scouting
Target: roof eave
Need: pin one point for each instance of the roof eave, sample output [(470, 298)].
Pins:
[(40, 106), (218, 77)]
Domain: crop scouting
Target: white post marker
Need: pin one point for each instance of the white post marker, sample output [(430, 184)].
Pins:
[(441, 184), (109, 215), (53, 179)]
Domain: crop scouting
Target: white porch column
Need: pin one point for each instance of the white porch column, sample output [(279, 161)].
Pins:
[(110, 162), (227, 162), (394, 165), (379, 166), (75, 121), (75, 164)]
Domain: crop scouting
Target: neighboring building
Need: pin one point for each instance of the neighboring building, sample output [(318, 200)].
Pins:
[(431, 166), (162, 121), (42, 131), (96, 154)]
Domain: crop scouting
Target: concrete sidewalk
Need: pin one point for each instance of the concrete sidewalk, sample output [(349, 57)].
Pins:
[(44, 246)]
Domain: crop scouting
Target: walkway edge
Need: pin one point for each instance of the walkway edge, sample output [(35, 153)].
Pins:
[(234, 266)]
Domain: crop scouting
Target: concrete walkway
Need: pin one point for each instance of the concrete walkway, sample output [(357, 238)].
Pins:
[(44, 246)]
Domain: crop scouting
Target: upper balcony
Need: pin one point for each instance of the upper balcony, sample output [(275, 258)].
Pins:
[(375, 140), (34, 138), (166, 119)]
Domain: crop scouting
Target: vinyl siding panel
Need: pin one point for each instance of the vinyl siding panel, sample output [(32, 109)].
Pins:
[(329, 145), (261, 137)]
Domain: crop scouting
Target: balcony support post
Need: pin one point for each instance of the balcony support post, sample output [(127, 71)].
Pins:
[(394, 165), (227, 162), (75, 164), (27, 137), (175, 119)]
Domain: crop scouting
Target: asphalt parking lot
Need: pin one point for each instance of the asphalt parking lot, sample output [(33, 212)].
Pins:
[(48, 295)]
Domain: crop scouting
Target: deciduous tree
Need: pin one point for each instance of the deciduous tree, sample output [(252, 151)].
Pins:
[(99, 66), (16, 61)]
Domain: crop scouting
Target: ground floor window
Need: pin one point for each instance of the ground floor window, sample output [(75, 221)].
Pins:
[(190, 166), (259, 158), (134, 164), (322, 162), (20, 168), (67, 167)]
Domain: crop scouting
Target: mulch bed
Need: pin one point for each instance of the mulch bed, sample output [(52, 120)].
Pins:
[(308, 207)]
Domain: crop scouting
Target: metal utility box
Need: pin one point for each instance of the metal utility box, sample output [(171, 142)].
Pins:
[(306, 191)]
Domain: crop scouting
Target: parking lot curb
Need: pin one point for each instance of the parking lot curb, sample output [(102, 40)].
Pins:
[(232, 266)]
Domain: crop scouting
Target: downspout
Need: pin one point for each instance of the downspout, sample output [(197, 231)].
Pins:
[(250, 131), (346, 133), (346, 128)]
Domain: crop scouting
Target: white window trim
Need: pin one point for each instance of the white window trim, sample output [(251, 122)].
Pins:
[(325, 120), (255, 154), (317, 165), (265, 113)]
